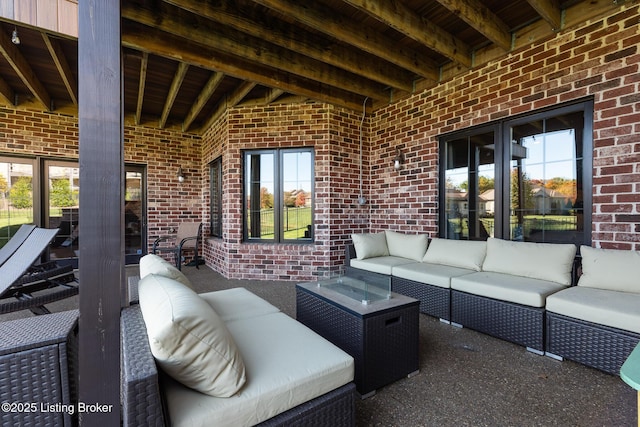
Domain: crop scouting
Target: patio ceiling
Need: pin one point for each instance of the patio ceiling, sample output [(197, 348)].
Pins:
[(186, 61)]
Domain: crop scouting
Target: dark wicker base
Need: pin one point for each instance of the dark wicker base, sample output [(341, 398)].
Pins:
[(512, 322), (591, 344), (434, 300), (384, 344), (142, 398)]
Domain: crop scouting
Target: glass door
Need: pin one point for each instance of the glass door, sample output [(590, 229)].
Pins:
[(135, 220), (16, 196), (469, 199), (61, 208)]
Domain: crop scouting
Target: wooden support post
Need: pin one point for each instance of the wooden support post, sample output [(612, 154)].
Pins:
[(101, 259)]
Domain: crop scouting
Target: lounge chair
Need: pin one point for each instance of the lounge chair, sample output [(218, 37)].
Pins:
[(16, 240), (31, 283), (187, 237)]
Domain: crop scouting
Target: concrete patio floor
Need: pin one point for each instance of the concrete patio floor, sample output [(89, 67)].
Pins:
[(466, 378)]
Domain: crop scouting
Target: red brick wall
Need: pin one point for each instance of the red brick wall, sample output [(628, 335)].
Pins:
[(55, 136), (599, 59), (335, 136)]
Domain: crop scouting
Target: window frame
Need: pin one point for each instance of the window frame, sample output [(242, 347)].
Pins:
[(502, 158), (278, 164)]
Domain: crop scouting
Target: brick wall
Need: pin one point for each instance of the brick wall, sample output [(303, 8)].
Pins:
[(599, 59), (335, 136), (55, 136)]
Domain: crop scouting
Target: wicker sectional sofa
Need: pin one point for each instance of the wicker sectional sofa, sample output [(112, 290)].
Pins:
[(497, 287), (226, 357), (597, 322)]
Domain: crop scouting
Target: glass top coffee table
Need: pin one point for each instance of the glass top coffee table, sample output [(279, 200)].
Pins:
[(377, 327)]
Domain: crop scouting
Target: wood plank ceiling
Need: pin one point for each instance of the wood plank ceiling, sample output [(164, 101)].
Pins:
[(187, 61)]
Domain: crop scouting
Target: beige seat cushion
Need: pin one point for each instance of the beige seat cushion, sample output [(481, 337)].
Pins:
[(237, 303), (431, 274), (154, 264), (616, 309), (545, 261), (287, 364), (370, 245), (382, 265), (612, 269), (465, 254), (410, 246), (506, 287), (188, 339)]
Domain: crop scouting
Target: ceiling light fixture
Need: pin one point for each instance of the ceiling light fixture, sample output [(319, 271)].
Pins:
[(15, 39)]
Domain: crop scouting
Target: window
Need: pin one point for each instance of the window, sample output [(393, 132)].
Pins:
[(17, 195), (278, 202), (525, 178), (215, 175)]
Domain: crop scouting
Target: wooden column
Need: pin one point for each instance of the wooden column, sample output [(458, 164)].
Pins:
[(101, 259)]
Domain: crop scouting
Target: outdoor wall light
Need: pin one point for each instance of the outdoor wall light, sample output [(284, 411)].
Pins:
[(15, 39), (398, 160), (180, 175)]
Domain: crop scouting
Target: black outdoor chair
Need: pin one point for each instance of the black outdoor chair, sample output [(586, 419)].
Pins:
[(187, 238)]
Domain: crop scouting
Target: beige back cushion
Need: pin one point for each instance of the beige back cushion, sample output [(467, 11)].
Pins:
[(545, 261), (188, 339), (456, 253), (410, 246), (153, 264), (370, 245), (611, 269)]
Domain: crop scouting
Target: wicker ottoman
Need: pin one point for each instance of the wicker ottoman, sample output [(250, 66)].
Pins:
[(382, 337)]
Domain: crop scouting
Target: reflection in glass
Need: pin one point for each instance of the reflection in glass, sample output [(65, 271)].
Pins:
[(63, 195), (16, 197), (259, 192), (296, 194), (546, 180), (470, 187)]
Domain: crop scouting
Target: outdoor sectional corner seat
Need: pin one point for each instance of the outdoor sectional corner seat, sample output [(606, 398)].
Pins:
[(226, 357), (497, 287), (597, 322)]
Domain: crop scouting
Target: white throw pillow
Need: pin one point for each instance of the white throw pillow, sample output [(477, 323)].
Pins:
[(370, 245), (612, 269), (410, 246), (467, 254), (188, 339), (544, 261), (154, 264)]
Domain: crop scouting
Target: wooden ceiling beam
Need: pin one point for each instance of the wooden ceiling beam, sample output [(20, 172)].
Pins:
[(21, 66), (6, 93), (327, 21), (254, 23), (402, 19), (146, 39), (269, 97), (228, 102), (478, 16), (142, 81), (550, 12), (170, 20), (178, 78), (60, 60), (203, 97)]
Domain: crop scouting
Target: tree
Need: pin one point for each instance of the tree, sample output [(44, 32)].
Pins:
[(4, 186), (301, 199), (61, 194), (266, 199), (21, 193), (527, 192)]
